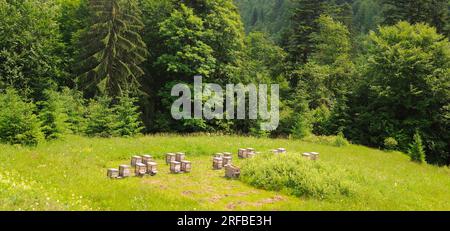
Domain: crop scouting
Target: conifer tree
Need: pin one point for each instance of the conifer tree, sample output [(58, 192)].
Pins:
[(416, 150), (112, 47)]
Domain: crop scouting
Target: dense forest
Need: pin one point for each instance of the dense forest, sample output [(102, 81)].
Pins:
[(376, 72)]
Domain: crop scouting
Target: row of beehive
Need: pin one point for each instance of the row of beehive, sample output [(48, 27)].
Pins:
[(142, 165), (177, 163), (224, 160)]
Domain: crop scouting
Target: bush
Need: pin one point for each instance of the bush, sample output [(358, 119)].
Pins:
[(340, 140), (53, 115), (390, 143), (416, 150), (18, 123), (296, 175)]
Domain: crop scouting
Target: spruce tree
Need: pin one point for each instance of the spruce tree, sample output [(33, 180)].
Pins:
[(303, 20), (416, 150), (112, 48), (433, 12)]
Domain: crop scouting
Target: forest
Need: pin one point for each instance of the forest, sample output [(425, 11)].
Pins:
[(373, 72)]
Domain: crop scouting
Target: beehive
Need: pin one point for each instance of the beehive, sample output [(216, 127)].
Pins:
[(241, 153), (275, 151), (186, 166), (112, 173), (226, 160), (218, 155), (179, 156), (281, 150), (307, 155), (146, 159), (232, 171), (124, 170), (217, 163), (140, 169), (314, 155), (227, 154), (135, 160), (152, 168), (170, 157), (175, 167)]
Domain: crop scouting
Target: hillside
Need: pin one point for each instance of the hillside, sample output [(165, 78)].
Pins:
[(70, 174)]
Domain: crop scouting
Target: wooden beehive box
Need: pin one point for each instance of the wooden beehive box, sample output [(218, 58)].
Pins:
[(217, 163), (112, 173), (314, 155), (232, 171), (281, 150), (228, 154), (170, 157), (307, 155), (175, 167), (179, 156), (135, 160), (186, 166), (124, 170), (140, 169), (146, 159), (152, 168), (242, 152), (226, 160)]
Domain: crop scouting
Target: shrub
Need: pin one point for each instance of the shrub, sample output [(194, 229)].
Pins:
[(416, 150), (53, 115), (340, 140), (126, 117), (296, 175), (18, 123), (390, 143)]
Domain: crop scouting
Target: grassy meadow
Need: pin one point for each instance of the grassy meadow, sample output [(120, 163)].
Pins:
[(70, 174)]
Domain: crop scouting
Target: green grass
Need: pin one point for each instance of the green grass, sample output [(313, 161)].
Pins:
[(70, 174)]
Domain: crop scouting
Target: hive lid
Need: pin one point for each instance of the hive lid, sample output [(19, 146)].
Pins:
[(140, 164)]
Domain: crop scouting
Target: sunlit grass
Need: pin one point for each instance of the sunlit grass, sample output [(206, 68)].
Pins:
[(70, 174)]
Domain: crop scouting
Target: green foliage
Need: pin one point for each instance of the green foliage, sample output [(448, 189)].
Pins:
[(127, 117), (53, 115), (74, 105), (186, 38), (30, 47), (416, 150), (99, 118), (18, 123), (390, 143), (405, 87), (302, 125), (296, 175), (433, 12), (340, 140), (112, 48)]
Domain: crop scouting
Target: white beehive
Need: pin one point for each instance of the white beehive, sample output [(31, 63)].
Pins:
[(217, 163), (140, 169), (175, 167), (146, 159), (135, 160), (152, 168), (186, 166), (179, 156), (112, 173), (124, 170), (170, 157)]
